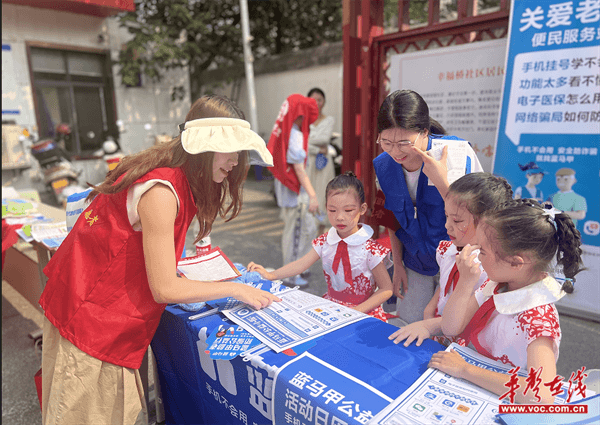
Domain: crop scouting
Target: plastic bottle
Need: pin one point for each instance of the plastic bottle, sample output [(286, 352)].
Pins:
[(203, 246)]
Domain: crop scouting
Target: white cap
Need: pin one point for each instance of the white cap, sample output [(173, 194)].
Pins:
[(224, 135)]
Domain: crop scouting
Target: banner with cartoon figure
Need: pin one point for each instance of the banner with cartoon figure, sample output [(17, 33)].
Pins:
[(549, 127)]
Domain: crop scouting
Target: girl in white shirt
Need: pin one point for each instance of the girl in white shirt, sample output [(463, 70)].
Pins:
[(353, 263), (512, 317), (467, 199)]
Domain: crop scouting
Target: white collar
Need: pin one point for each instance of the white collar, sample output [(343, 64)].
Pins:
[(358, 238), (545, 291)]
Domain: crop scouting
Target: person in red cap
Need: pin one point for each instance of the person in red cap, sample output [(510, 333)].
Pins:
[(114, 274), (294, 192)]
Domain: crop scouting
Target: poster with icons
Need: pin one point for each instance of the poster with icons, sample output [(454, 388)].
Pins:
[(438, 398), (298, 318)]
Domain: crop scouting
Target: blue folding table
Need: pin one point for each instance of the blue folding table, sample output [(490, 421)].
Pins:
[(346, 377)]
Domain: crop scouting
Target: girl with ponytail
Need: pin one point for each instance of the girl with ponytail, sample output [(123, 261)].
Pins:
[(512, 317)]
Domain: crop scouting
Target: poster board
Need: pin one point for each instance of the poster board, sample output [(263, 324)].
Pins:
[(13, 153), (550, 116), (461, 85)]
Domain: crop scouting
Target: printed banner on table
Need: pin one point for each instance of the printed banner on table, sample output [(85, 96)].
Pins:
[(298, 318), (307, 387), (440, 398)]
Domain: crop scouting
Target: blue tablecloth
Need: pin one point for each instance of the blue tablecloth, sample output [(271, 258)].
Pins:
[(345, 378)]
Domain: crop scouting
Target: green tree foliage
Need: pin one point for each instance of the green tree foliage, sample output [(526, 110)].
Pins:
[(203, 34), (280, 26), (419, 9)]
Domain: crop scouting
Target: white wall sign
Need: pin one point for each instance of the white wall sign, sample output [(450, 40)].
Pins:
[(461, 85)]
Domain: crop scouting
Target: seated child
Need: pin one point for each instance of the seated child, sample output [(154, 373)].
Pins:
[(353, 263)]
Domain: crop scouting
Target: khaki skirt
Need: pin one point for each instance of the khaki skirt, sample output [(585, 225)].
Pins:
[(78, 389)]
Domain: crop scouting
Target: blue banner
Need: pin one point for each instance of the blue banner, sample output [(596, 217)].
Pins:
[(311, 391), (549, 130)]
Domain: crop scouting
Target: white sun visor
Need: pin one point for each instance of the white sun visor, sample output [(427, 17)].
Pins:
[(225, 135)]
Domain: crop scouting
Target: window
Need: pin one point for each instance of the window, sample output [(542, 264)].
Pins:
[(74, 88)]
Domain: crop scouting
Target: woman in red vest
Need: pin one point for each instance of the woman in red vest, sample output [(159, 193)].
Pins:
[(295, 194), (112, 277)]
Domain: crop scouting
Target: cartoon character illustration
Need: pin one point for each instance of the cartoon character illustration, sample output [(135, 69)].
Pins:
[(223, 331), (534, 176), (574, 205)]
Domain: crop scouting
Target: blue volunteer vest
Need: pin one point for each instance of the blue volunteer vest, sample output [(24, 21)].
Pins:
[(420, 235)]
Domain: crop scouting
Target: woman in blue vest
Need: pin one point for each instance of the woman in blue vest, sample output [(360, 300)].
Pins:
[(414, 184)]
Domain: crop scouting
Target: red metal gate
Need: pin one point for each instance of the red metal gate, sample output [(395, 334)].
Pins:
[(366, 51)]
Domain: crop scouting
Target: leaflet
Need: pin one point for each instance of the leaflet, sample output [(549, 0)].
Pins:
[(456, 160), (213, 266), (442, 399), (298, 318)]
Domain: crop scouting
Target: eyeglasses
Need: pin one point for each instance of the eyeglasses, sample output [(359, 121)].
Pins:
[(389, 146)]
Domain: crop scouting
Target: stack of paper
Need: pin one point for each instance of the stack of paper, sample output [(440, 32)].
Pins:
[(50, 234), (26, 222), (17, 207), (213, 266), (20, 209)]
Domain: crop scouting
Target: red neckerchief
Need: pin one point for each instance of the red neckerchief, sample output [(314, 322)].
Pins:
[(341, 254), (479, 321), (452, 280)]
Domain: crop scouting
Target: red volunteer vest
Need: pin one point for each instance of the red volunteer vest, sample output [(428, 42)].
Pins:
[(97, 294), (294, 106)]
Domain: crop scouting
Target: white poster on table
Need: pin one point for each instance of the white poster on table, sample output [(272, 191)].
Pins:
[(298, 318), (438, 398), (461, 85)]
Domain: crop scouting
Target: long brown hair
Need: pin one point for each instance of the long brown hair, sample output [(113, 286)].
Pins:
[(210, 197)]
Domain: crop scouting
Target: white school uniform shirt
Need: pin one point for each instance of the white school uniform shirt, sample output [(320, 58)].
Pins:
[(520, 317), (445, 254), (363, 252)]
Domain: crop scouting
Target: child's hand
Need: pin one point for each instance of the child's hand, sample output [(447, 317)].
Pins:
[(399, 281), (468, 264), (449, 362), (256, 298), (411, 332), (253, 267)]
